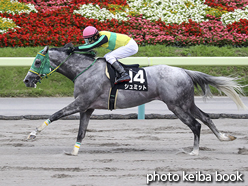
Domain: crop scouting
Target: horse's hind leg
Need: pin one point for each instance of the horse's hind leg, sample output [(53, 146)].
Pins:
[(84, 120), (205, 118), (192, 123)]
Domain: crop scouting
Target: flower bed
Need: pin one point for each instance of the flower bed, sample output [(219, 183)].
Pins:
[(6, 25), (157, 22), (14, 7), (229, 5), (235, 16)]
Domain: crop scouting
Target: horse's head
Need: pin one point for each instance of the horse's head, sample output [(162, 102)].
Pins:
[(39, 69), (43, 66)]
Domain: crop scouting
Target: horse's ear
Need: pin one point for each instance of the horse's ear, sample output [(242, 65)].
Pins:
[(68, 45), (45, 50)]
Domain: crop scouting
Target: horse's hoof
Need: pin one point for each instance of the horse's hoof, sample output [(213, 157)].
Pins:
[(32, 135), (232, 137), (70, 154), (226, 137), (194, 153)]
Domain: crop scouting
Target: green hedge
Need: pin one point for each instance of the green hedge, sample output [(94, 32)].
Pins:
[(146, 51), (11, 81)]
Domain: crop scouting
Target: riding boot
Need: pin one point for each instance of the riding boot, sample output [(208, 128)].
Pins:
[(124, 76)]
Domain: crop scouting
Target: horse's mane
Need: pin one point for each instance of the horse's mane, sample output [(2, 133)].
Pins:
[(90, 53)]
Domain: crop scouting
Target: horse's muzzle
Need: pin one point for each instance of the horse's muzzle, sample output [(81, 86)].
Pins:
[(31, 79)]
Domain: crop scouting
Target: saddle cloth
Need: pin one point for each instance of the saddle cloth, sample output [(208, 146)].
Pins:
[(138, 82)]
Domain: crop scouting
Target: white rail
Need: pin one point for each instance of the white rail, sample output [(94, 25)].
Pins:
[(149, 61)]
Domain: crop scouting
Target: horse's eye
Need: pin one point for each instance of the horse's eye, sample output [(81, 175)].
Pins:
[(38, 63)]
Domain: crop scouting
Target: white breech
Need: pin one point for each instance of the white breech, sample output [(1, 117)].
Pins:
[(125, 51)]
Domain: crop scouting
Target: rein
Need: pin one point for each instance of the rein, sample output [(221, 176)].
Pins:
[(84, 70), (58, 66)]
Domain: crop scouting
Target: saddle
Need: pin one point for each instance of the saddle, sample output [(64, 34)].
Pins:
[(138, 81)]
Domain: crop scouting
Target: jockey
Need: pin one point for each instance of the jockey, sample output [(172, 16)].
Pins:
[(121, 46)]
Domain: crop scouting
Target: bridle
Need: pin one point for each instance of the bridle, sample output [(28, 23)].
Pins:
[(45, 68)]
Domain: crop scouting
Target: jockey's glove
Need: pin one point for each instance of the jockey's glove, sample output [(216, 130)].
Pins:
[(70, 50)]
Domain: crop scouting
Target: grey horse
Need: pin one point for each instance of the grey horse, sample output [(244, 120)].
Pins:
[(172, 85)]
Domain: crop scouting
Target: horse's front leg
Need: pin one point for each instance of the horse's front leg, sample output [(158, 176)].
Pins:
[(84, 120), (72, 108)]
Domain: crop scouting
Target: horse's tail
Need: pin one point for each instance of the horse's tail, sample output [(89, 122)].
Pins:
[(228, 85)]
